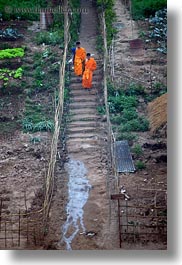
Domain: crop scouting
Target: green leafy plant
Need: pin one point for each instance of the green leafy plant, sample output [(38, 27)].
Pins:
[(108, 7), (135, 89), (137, 150), (101, 110), (10, 34), (120, 102), (140, 165), (137, 125), (130, 137), (6, 74), (27, 125), (142, 8), (18, 73), (50, 38), (35, 139), (45, 125), (11, 53)]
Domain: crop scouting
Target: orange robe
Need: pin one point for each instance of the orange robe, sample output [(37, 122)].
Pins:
[(80, 56), (90, 66)]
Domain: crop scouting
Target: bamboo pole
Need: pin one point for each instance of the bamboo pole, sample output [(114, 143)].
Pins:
[(57, 118)]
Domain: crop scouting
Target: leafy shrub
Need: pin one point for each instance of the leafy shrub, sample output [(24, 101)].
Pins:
[(116, 119), (135, 89), (137, 150), (121, 102), (10, 34), (138, 125), (158, 32), (129, 114), (140, 165), (110, 16), (18, 73), (6, 74), (45, 125), (130, 137), (29, 126), (21, 4), (35, 139), (11, 53), (146, 8), (50, 38), (101, 110)]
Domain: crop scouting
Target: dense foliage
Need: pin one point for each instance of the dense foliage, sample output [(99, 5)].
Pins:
[(145, 8), (10, 34), (11, 53), (107, 6), (8, 9), (6, 74), (158, 31)]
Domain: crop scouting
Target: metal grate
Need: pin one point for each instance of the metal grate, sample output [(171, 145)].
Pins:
[(123, 158)]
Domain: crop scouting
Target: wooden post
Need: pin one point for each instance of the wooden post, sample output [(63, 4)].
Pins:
[(151, 85), (5, 232), (35, 241), (19, 228), (1, 206), (119, 221)]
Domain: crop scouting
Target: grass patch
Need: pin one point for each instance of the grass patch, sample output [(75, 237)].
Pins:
[(137, 150), (140, 165)]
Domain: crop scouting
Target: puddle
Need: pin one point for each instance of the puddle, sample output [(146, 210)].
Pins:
[(78, 193)]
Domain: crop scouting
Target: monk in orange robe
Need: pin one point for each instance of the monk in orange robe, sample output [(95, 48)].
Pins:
[(79, 59), (90, 67)]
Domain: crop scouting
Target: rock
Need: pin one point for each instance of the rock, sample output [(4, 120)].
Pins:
[(91, 233)]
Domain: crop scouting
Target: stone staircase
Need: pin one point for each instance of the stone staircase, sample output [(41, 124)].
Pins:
[(83, 127)]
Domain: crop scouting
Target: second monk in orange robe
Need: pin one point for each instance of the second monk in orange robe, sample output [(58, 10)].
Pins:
[(79, 59), (90, 67)]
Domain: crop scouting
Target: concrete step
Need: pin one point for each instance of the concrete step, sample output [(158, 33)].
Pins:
[(96, 77), (75, 130), (84, 98), (84, 117), (82, 135), (84, 111), (78, 85), (83, 105), (98, 71), (81, 92), (83, 124), (80, 141)]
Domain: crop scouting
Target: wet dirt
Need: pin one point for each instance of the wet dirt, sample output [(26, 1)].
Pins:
[(78, 193)]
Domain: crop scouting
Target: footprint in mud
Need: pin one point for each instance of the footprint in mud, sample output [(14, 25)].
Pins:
[(78, 193)]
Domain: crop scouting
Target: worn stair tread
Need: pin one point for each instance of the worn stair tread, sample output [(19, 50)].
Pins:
[(82, 92), (75, 141), (81, 130), (87, 104), (83, 111), (84, 99), (84, 117), (82, 124), (79, 85), (83, 135)]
